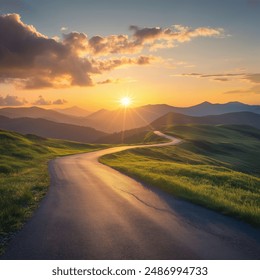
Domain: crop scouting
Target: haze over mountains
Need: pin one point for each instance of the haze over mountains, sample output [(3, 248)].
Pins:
[(50, 129), (124, 119), (237, 118), (175, 119), (105, 126), (73, 111)]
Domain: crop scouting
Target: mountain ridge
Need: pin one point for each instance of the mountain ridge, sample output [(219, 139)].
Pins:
[(176, 119), (111, 121), (50, 129)]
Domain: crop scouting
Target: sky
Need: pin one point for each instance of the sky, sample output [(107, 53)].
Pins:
[(93, 53)]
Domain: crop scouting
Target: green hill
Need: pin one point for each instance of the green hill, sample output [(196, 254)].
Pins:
[(236, 118), (214, 166), (24, 175), (133, 136)]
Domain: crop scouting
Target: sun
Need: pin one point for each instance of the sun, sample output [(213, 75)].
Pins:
[(126, 101)]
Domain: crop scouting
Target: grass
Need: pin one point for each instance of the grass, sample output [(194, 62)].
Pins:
[(24, 178), (144, 137), (215, 166), (133, 136)]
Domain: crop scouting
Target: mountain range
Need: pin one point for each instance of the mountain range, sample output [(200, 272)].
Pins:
[(174, 119), (105, 126), (50, 129), (238, 118), (73, 111), (111, 121)]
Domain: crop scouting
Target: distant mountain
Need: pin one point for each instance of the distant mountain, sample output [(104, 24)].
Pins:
[(199, 110), (239, 118), (207, 108), (46, 128), (51, 115), (36, 112), (125, 119), (130, 118), (50, 129), (73, 111), (117, 120), (113, 121), (171, 119)]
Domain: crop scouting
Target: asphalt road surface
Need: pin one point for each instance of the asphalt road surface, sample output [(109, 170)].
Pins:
[(94, 212)]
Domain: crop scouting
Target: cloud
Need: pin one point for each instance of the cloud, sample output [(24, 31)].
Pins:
[(36, 61), (110, 81), (32, 60), (109, 64), (107, 81), (252, 90), (153, 38), (249, 77), (222, 79), (112, 44), (41, 101), (175, 33), (11, 100), (221, 75), (189, 75), (59, 102), (253, 78)]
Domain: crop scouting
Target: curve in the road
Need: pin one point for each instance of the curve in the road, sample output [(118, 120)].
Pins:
[(94, 212)]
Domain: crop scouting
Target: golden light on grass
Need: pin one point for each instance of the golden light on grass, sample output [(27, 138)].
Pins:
[(126, 101)]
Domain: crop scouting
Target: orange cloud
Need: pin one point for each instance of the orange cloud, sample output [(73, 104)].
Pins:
[(109, 81), (109, 64), (42, 101), (252, 90), (253, 78), (32, 60), (218, 77), (11, 100), (154, 38), (249, 77)]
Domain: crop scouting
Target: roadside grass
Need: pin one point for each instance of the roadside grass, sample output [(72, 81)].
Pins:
[(215, 166), (133, 137), (24, 178), (145, 137)]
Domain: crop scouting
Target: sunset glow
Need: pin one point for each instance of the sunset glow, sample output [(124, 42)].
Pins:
[(184, 57), (126, 101), (145, 115)]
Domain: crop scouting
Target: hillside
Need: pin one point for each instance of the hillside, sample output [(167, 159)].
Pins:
[(40, 113), (172, 119), (50, 129), (215, 166), (24, 175), (141, 135), (241, 118)]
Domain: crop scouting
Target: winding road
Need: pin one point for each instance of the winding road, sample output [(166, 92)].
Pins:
[(94, 212)]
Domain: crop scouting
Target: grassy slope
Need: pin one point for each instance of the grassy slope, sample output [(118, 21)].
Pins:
[(24, 175), (215, 166), (133, 136)]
